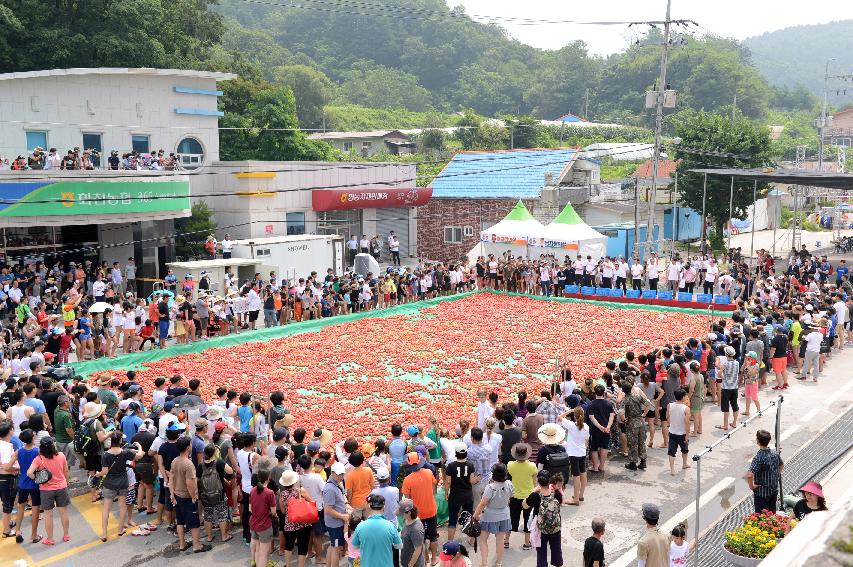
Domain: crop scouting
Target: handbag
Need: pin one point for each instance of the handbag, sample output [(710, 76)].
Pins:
[(301, 511), (42, 475)]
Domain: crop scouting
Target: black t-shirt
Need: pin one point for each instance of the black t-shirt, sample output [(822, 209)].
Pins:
[(163, 310), (600, 410), (542, 459), (509, 437), (113, 161), (593, 550), (460, 481), (779, 344), (801, 509), (50, 400), (145, 440), (176, 391), (67, 162), (535, 499), (169, 452), (6, 400)]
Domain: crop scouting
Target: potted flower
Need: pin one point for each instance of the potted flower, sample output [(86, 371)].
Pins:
[(771, 522), (747, 545)]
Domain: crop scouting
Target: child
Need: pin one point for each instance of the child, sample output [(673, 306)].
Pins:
[(259, 427), (28, 490), (678, 548), (146, 333), (454, 554), (750, 381), (262, 507), (353, 553), (64, 346), (558, 484), (244, 412)]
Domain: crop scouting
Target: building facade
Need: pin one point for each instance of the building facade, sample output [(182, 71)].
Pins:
[(112, 109), (366, 144)]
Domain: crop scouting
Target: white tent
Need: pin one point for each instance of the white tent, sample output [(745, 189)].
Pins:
[(569, 235), (511, 234)]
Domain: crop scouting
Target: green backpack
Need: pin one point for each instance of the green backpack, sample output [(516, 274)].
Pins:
[(549, 515)]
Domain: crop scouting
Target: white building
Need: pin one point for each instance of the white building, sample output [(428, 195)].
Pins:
[(112, 108)]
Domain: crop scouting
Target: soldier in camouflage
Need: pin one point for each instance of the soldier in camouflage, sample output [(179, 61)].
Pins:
[(634, 407)]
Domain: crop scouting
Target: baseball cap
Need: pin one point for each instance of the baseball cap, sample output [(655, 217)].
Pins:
[(338, 468), (168, 406), (413, 458), (809, 307), (279, 433), (382, 473), (651, 512), (461, 450), (376, 501), (313, 446), (406, 504), (449, 550), (413, 430), (123, 405), (220, 425), (176, 426), (200, 423)]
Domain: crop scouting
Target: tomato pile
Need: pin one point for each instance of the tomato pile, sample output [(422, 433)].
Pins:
[(357, 378)]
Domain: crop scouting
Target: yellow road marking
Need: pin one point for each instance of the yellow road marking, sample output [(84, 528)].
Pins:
[(11, 551)]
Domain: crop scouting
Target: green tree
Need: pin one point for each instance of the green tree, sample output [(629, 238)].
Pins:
[(312, 89), (193, 230), (369, 84), (711, 140), (260, 124), (433, 139)]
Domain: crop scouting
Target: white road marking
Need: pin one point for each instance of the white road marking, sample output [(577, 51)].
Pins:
[(788, 432), (631, 555), (811, 414), (847, 387), (834, 397)]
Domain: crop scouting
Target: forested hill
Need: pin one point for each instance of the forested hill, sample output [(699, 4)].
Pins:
[(800, 54), (425, 56)]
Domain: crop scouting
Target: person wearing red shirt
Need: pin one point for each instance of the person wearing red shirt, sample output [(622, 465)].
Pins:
[(261, 511)]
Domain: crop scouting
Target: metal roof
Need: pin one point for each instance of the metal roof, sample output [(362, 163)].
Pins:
[(82, 71), (355, 135), (617, 151), (788, 176), (517, 174)]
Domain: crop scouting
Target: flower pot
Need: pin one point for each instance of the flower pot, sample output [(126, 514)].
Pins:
[(739, 560)]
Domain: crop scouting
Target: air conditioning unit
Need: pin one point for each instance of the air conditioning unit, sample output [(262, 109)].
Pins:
[(468, 231), (262, 252)]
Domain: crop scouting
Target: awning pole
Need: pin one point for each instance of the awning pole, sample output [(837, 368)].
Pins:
[(731, 213), (704, 223), (752, 239)]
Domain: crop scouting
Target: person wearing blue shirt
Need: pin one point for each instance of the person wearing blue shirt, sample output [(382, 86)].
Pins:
[(841, 271), (376, 536), (28, 490), (132, 421), (244, 412), (397, 450)]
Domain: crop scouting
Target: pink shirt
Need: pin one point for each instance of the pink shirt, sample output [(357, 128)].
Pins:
[(56, 466)]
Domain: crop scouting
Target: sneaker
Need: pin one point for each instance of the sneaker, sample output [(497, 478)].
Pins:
[(631, 466), (642, 465), (526, 547)]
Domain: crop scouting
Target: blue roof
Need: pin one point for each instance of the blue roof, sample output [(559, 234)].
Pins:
[(518, 174), (570, 118)]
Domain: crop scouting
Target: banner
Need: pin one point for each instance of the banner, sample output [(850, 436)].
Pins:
[(378, 198), (46, 198), (546, 243)]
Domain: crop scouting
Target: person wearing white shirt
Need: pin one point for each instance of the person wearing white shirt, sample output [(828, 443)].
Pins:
[(545, 279), (53, 160), (813, 340), (577, 269), (254, 307), (673, 274), (621, 274), (589, 271), (712, 272), (227, 245), (636, 275), (726, 281), (841, 315), (364, 244), (653, 271), (15, 293), (394, 248), (576, 443), (689, 278), (607, 273)]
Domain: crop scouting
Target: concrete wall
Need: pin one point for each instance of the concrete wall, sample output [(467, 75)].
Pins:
[(115, 105), (114, 234)]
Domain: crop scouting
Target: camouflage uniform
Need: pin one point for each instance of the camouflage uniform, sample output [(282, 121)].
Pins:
[(635, 407)]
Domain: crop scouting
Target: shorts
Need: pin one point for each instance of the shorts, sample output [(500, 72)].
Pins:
[(454, 508), (145, 472), (431, 528), (779, 364), (598, 440), (253, 316), (264, 536), (163, 329), (578, 465), (164, 497), (25, 494), (499, 527), (186, 513), (110, 494), (300, 539), (676, 441), (130, 499), (336, 536), (650, 414), (51, 499), (93, 463), (662, 415), (8, 489), (751, 391), (728, 398), (216, 514), (319, 527)]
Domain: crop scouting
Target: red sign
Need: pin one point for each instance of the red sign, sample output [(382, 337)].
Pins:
[(369, 198), (268, 229)]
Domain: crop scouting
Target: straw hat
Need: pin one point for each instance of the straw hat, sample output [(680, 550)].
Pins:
[(285, 421), (93, 409), (180, 299), (215, 413), (551, 434), (104, 379), (521, 451), (288, 478), (325, 438)]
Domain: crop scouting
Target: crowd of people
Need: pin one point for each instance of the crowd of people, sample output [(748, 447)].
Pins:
[(90, 158), (197, 467)]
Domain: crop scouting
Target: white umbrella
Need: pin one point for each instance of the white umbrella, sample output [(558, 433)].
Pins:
[(100, 307)]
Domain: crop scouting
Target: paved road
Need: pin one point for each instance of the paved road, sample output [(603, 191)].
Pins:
[(806, 410)]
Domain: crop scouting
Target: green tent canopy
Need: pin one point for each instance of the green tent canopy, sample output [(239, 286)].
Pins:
[(568, 216)]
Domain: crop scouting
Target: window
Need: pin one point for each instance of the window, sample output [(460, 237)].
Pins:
[(295, 223), (468, 231), (191, 153), (92, 142), (347, 147), (365, 148), (36, 138), (140, 143), (452, 234)]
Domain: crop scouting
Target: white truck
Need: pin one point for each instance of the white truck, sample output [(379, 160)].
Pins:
[(294, 257)]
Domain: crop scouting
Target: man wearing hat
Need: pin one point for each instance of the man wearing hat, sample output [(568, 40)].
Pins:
[(390, 493), (459, 480), (336, 513), (653, 547), (419, 485), (376, 536), (63, 431), (728, 369), (107, 395)]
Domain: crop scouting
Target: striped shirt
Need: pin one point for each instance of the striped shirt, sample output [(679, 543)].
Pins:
[(765, 470)]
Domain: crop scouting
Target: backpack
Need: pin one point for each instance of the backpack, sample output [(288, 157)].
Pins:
[(559, 462), (549, 515), (210, 485), (84, 442)]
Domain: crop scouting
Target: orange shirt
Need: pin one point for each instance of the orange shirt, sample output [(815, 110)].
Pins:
[(153, 313), (360, 481), (419, 487)]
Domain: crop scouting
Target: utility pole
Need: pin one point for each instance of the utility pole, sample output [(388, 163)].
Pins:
[(658, 125), (821, 123), (586, 104), (734, 108)]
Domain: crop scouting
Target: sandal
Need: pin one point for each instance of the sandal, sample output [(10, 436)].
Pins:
[(140, 532), (186, 547), (229, 538), (506, 545), (66, 538), (202, 549), (46, 541), (121, 533)]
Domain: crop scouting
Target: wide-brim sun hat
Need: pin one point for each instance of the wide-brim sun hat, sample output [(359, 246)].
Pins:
[(813, 488), (521, 451), (104, 379), (215, 413), (730, 351), (285, 421), (551, 434), (288, 478), (325, 438), (93, 409)]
